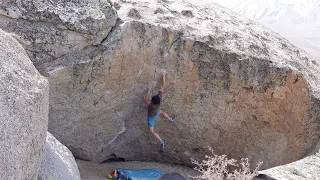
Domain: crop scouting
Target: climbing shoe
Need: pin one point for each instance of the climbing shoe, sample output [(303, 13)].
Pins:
[(172, 119), (163, 144)]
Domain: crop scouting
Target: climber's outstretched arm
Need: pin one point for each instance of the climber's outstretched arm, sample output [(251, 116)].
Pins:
[(163, 81), (146, 99)]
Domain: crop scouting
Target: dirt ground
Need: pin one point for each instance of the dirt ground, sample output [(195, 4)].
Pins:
[(99, 171)]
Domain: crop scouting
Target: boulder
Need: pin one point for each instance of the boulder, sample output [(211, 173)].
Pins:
[(303, 169), (52, 29), (24, 106), (232, 84), (57, 162)]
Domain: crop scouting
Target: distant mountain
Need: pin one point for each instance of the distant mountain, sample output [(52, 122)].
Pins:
[(297, 20)]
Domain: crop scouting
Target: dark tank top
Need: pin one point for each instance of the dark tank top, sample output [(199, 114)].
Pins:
[(153, 108)]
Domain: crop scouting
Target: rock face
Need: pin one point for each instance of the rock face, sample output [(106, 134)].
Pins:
[(50, 30), (24, 108), (57, 162), (233, 85), (306, 168)]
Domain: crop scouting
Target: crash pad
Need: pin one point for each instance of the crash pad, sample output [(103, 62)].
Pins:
[(143, 174)]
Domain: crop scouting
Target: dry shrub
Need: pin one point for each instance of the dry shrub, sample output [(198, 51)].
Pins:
[(216, 168)]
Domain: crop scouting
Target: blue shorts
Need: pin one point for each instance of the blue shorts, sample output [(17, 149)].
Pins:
[(152, 120)]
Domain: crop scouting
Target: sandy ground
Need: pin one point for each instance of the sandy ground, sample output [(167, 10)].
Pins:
[(99, 171)]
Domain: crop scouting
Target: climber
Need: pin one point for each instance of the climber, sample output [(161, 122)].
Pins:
[(154, 110)]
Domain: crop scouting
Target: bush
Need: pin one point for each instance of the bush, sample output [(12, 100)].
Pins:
[(216, 168)]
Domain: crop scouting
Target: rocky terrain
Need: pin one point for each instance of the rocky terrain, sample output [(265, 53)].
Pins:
[(233, 84), (303, 169)]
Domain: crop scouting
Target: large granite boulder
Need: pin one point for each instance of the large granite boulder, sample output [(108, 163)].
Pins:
[(57, 162), (24, 108), (52, 29), (233, 85)]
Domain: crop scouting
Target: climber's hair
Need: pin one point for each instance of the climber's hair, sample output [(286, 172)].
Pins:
[(155, 99)]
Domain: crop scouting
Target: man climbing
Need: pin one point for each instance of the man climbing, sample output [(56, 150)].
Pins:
[(154, 110)]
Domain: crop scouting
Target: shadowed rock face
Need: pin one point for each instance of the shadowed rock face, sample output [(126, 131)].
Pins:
[(232, 84), (24, 108), (57, 162)]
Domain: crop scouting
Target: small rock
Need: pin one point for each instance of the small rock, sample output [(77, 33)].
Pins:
[(159, 11), (187, 13), (116, 5), (134, 13)]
